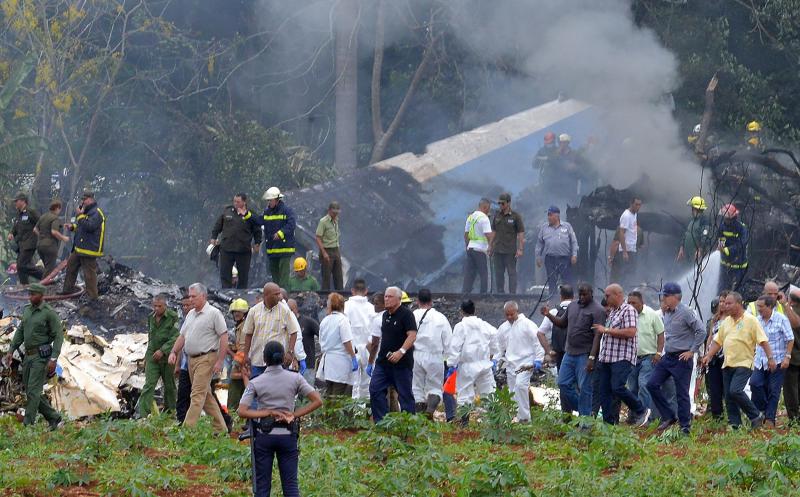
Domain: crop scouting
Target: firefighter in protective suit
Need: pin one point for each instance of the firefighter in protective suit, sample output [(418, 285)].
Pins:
[(472, 346), (752, 138), (733, 241), (696, 242)]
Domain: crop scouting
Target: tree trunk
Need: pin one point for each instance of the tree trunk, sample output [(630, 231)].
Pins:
[(346, 27)]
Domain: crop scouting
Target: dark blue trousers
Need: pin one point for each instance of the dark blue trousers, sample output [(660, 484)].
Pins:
[(681, 373), (266, 448), (558, 268), (735, 379), (389, 376), (613, 380), (765, 387)]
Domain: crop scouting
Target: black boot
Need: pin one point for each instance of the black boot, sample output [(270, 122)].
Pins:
[(433, 403), (419, 407)]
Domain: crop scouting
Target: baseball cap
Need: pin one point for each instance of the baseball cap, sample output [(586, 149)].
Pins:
[(21, 196), (504, 197), (37, 288), (671, 288), (334, 206), (553, 209)]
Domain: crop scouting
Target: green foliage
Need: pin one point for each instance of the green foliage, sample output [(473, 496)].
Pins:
[(488, 479), (496, 422), (341, 413)]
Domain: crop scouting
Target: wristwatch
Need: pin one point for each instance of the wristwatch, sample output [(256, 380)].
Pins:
[(402, 350), (591, 358)]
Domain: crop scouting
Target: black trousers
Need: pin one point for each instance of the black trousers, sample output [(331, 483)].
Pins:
[(265, 449), (503, 263), (715, 389), (475, 264), (791, 393), (226, 262), (25, 267)]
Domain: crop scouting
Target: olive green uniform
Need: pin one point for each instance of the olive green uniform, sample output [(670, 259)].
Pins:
[(161, 336), (26, 242), (48, 244), (307, 284), (40, 327)]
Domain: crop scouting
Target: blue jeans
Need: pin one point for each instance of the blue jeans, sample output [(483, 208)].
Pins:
[(382, 378), (575, 383), (765, 387), (265, 448), (681, 372), (735, 379), (637, 382), (558, 267), (255, 372), (613, 376)]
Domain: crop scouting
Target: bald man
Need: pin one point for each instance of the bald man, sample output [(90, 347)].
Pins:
[(618, 348), (771, 289), (269, 320)]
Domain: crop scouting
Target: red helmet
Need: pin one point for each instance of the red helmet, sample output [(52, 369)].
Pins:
[(549, 137), (729, 211)]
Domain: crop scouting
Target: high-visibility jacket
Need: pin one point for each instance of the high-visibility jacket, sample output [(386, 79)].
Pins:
[(734, 236), (751, 308), (90, 232), (280, 221), (474, 233)]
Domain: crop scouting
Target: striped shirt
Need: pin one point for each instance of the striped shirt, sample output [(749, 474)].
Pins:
[(615, 349), (779, 334), (266, 325)]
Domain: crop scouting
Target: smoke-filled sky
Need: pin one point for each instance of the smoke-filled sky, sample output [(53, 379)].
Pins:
[(587, 49)]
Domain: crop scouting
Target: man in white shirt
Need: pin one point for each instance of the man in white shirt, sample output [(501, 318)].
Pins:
[(433, 340), (519, 347), (623, 267), (478, 237), (361, 313)]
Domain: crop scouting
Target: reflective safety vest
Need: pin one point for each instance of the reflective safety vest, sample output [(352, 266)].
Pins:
[(751, 307), (734, 251), (90, 232), (473, 234), (279, 221)]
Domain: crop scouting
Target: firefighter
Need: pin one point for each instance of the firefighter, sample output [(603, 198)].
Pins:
[(544, 157), (694, 136), (23, 234), (696, 240), (87, 245), (236, 337), (279, 224), (752, 138), (733, 241), (301, 281), (240, 237)]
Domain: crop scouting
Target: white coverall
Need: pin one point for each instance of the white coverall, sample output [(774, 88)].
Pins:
[(471, 349), (433, 340), (335, 364), (360, 312), (519, 346)]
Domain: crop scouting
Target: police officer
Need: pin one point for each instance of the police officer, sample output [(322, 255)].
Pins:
[(733, 241), (279, 224), (42, 334), (241, 237), (275, 422), (162, 331), (22, 233), (88, 244)]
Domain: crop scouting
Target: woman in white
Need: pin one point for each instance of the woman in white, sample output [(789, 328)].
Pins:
[(338, 363)]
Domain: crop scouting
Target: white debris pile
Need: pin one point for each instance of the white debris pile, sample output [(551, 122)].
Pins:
[(96, 374)]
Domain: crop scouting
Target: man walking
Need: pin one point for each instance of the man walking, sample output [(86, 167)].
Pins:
[(279, 225), (583, 344), (327, 236), (49, 230), (507, 245), (162, 332), (618, 350), (433, 340), (205, 337), (649, 342), (269, 320), (554, 345), (623, 268), (241, 237), (738, 335), (42, 334), (684, 334), (557, 249), (360, 311), (766, 384), (88, 245), (478, 236), (520, 348), (22, 232), (395, 357)]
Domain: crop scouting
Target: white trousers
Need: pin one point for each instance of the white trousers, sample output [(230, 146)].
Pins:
[(428, 376), (361, 378), (519, 385), (474, 378)]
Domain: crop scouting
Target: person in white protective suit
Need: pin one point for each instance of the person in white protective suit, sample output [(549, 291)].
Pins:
[(433, 339), (470, 355), (519, 346), (360, 311)]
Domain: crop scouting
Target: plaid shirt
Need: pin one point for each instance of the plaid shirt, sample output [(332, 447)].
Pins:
[(779, 333), (615, 349)]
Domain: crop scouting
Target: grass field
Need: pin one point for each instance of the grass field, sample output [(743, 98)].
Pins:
[(343, 455)]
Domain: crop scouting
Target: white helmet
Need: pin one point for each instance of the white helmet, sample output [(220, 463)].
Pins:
[(563, 137), (697, 129), (209, 249), (272, 193)]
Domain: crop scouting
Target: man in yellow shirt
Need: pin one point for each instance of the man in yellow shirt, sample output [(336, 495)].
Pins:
[(739, 334)]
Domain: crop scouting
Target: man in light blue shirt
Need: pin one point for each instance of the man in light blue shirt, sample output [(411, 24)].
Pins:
[(766, 385)]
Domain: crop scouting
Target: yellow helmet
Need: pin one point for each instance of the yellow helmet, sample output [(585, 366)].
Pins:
[(405, 299), (300, 264), (754, 141), (698, 203), (754, 126), (239, 305), (691, 138)]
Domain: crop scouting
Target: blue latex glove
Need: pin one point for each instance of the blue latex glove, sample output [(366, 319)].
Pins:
[(494, 365), (370, 369), (302, 366), (450, 372), (537, 365), (355, 363)]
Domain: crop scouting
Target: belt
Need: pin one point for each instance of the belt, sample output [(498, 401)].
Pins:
[(195, 356), (645, 356), (34, 350), (675, 354)]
